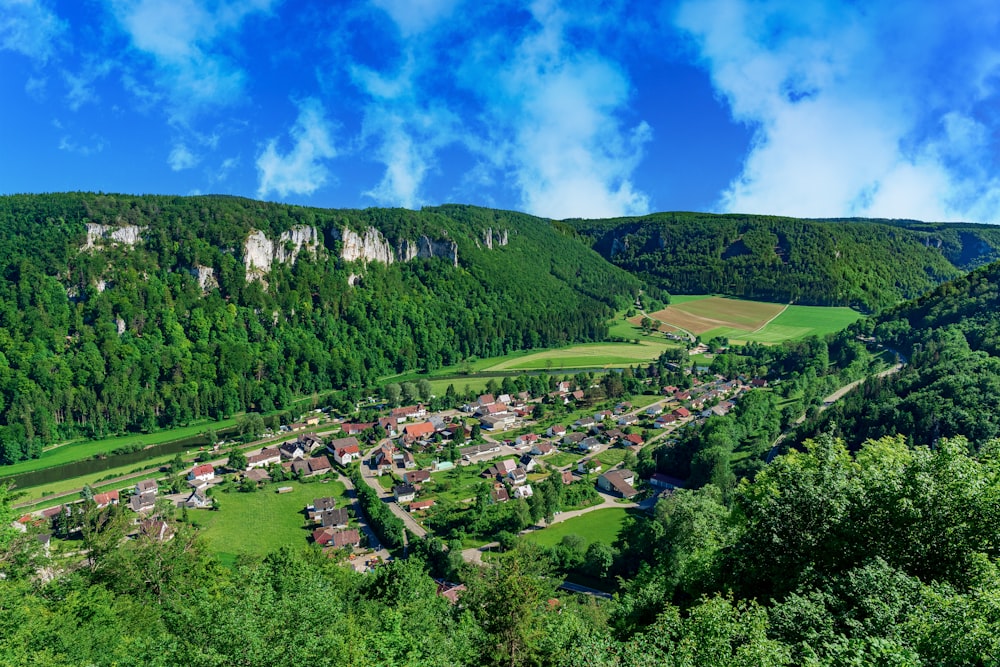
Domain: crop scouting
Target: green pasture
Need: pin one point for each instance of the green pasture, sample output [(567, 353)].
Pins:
[(677, 299), (259, 523), (597, 526)]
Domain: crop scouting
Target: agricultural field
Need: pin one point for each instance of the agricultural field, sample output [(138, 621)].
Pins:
[(587, 355), (745, 321), (598, 526), (261, 522)]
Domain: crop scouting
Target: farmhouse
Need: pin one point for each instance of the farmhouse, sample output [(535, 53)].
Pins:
[(111, 497), (418, 431), (316, 465), (292, 450), (526, 439), (556, 431), (543, 448), (198, 500), (355, 428)]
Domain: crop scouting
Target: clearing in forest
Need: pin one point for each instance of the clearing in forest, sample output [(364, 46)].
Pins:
[(702, 315)]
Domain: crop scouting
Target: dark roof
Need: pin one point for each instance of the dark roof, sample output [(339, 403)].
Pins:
[(325, 503), (334, 518), (404, 490)]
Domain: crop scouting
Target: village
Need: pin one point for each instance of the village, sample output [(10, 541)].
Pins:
[(421, 465)]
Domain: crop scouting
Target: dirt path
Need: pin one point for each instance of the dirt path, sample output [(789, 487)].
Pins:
[(783, 309)]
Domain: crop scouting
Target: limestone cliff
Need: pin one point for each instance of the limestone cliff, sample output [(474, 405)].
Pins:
[(110, 234), (372, 246), (260, 252)]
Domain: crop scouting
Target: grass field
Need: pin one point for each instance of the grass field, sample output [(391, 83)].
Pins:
[(597, 526), (744, 321), (587, 355), (258, 523)]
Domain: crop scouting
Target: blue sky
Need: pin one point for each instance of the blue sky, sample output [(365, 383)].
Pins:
[(561, 109)]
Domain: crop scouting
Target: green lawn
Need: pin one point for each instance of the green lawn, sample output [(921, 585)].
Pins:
[(459, 483), (597, 526), (258, 523), (677, 299), (560, 459), (611, 457)]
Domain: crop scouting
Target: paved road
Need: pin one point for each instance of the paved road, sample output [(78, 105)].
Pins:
[(577, 588), (371, 480)]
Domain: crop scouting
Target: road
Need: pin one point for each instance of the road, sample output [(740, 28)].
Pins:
[(371, 480)]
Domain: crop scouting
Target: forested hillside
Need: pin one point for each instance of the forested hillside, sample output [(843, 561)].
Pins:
[(951, 338), (869, 264), (123, 313)]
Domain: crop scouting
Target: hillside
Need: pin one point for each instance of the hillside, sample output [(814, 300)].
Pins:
[(869, 264), (122, 313), (951, 338)]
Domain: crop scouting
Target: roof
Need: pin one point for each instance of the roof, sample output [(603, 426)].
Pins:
[(334, 517), (416, 476), (318, 463), (345, 444), (343, 538), (107, 498), (257, 475), (324, 503), (421, 504), (618, 481), (145, 485), (404, 490), (203, 469), (419, 430)]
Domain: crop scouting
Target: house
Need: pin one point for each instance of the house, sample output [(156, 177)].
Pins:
[(627, 420), (723, 408), (587, 466), (156, 529), (618, 482), (563, 386), (418, 505), (142, 502), (584, 422), (312, 466), (404, 493), (320, 505), (485, 399), (309, 442), (111, 497), (292, 450), (623, 407), (528, 462), (571, 439), (567, 477), (346, 538), (758, 383), (388, 424), (500, 468), (556, 431), (403, 460), (146, 486), (526, 440), (665, 421), (203, 473), (523, 491), (345, 450), (499, 494), (602, 415), (419, 431), (333, 518), (265, 458), (543, 448), (654, 410), (355, 428), (577, 395), (198, 500), (449, 591), (382, 459), (589, 444), (407, 412), (416, 476), (517, 476), (634, 439), (661, 481), (681, 413)]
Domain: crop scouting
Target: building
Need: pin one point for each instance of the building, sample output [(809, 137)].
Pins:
[(404, 493), (265, 458), (618, 482), (345, 450), (202, 473)]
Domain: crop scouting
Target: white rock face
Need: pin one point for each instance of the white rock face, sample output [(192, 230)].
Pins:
[(102, 234), (499, 237), (372, 247), (206, 278), (260, 253), (425, 248)]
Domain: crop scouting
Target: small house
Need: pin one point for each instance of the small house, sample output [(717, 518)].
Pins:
[(404, 493)]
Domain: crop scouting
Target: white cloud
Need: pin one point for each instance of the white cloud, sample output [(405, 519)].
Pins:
[(415, 16), (857, 110), (185, 39), (30, 28), (557, 112), (300, 170), (181, 158)]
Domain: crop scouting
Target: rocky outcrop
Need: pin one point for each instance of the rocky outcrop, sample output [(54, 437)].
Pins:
[(260, 252), (98, 235), (426, 248), (369, 247), (372, 246), (497, 238), (205, 275)]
